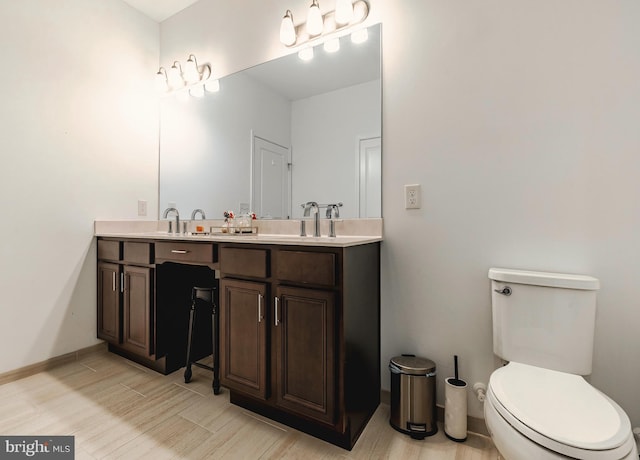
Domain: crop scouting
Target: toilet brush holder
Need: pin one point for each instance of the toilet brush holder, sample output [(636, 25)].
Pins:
[(455, 409)]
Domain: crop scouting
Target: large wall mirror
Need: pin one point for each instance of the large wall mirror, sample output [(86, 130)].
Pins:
[(278, 135)]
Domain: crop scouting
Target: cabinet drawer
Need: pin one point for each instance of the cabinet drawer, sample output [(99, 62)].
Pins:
[(109, 250), (244, 262), (306, 267), (137, 252), (185, 252)]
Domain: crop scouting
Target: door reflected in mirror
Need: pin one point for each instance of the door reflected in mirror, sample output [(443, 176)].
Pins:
[(278, 135)]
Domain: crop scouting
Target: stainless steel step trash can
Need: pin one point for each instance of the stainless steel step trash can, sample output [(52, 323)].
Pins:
[(413, 396)]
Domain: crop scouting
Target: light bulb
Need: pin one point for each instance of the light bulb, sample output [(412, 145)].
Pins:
[(360, 12), (306, 54), (360, 36), (213, 86), (344, 12), (314, 19), (191, 74), (197, 91), (161, 80), (287, 30), (175, 76), (331, 46)]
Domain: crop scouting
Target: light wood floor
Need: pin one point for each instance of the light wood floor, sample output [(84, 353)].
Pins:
[(116, 409)]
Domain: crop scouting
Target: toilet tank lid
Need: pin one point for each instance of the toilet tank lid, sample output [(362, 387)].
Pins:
[(559, 280)]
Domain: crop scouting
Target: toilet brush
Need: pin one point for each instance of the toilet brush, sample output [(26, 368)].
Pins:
[(455, 406)]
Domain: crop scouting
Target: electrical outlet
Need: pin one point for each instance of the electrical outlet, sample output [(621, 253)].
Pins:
[(142, 207), (412, 196)]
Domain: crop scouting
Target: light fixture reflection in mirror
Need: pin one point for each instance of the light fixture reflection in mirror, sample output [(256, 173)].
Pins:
[(322, 116), (332, 46), (306, 54), (197, 91), (212, 86), (359, 36)]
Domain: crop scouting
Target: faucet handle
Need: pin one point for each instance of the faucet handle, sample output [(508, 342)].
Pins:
[(333, 210)]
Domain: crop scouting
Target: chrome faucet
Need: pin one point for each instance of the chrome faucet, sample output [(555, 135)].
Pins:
[(308, 208), (166, 213), (333, 212), (196, 211)]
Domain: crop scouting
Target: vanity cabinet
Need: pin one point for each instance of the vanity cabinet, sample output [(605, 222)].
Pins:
[(125, 293), (144, 299), (299, 324), (137, 310), (109, 302), (243, 331), (305, 332), (300, 339)]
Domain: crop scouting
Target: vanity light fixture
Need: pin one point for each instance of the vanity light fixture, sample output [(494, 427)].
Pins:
[(344, 12), (315, 22), (348, 13), (175, 76), (193, 80), (191, 72), (162, 82), (287, 29)]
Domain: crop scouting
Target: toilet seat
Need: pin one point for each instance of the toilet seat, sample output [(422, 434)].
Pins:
[(560, 411)]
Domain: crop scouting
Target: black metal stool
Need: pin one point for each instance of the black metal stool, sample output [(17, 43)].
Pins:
[(202, 299)]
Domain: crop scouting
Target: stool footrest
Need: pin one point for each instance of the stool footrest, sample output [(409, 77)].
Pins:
[(202, 366)]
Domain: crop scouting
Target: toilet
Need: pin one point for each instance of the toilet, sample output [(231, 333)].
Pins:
[(538, 406)]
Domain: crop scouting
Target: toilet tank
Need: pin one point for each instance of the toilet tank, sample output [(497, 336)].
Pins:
[(546, 320)]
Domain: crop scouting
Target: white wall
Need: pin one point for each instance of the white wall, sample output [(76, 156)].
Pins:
[(520, 122), (325, 145), (78, 133)]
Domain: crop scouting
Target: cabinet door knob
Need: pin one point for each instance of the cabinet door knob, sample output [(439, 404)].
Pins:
[(277, 303), (260, 308)]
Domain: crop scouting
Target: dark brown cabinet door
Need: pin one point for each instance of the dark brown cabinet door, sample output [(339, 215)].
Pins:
[(109, 302), (137, 310), (243, 337), (305, 341)]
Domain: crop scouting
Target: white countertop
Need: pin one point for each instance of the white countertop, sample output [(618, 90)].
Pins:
[(148, 230)]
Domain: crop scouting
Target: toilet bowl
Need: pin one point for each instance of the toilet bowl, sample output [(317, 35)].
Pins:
[(537, 413)]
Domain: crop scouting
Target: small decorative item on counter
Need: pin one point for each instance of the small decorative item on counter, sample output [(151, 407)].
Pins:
[(228, 222), (236, 225), (244, 223)]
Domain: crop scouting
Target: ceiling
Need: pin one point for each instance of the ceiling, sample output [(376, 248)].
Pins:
[(159, 10)]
